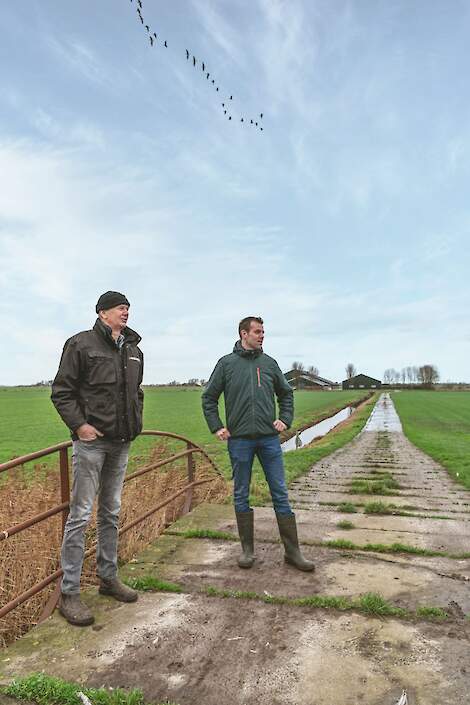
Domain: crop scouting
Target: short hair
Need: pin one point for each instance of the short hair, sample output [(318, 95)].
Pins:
[(245, 323)]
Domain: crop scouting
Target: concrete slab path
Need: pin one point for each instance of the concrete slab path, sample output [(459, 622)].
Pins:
[(244, 638)]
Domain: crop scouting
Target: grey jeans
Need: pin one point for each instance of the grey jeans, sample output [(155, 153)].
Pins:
[(99, 467)]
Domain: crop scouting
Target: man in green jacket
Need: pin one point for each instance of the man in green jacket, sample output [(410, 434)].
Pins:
[(249, 379)]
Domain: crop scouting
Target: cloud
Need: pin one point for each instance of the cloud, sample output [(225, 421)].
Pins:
[(220, 32), (79, 133), (80, 59)]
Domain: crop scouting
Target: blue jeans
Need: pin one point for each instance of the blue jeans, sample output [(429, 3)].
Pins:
[(99, 467), (267, 449)]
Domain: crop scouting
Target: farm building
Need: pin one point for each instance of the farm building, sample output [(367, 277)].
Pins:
[(300, 379), (361, 382)]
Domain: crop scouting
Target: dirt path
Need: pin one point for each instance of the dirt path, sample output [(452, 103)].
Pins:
[(199, 647)]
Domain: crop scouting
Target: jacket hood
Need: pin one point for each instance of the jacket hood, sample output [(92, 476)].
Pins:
[(238, 349), (130, 335)]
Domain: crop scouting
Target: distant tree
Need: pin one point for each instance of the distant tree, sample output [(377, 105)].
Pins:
[(428, 375), (202, 382), (298, 366), (393, 376), (312, 370), (193, 382), (350, 370)]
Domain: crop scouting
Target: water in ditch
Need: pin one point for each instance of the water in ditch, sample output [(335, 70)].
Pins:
[(318, 429)]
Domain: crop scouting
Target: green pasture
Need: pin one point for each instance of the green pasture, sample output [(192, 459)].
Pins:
[(28, 420), (439, 424)]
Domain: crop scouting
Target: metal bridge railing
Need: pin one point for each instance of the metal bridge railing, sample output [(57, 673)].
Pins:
[(63, 507)]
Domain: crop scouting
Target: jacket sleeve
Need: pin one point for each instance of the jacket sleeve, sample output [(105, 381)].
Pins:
[(285, 397), (210, 398), (65, 387), (140, 391)]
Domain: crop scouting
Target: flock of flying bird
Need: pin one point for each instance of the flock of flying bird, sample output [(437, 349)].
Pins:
[(226, 105)]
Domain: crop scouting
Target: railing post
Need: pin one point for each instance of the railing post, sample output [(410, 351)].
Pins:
[(189, 494), (64, 483), (65, 496)]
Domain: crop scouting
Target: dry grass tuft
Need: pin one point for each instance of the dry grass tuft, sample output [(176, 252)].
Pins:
[(33, 554)]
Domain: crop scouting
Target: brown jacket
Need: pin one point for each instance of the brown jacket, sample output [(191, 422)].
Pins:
[(99, 383)]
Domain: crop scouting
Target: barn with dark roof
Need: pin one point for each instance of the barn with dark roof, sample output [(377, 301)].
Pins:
[(361, 382)]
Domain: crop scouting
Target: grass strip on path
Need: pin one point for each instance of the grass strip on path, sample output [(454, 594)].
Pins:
[(370, 603), (439, 424), (342, 544), (345, 525), (382, 508), (382, 487), (47, 690), (148, 583)]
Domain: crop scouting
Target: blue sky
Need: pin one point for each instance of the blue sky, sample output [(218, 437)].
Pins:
[(345, 224)]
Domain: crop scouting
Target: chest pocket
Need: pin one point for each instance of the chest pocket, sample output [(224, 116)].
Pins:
[(101, 369)]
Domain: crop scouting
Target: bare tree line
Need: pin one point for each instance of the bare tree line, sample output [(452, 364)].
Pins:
[(426, 374), (299, 367)]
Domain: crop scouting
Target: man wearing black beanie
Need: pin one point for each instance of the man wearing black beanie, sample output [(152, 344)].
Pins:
[(97, 392)]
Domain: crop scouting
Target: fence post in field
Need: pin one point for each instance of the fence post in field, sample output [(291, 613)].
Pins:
[(189, 494)]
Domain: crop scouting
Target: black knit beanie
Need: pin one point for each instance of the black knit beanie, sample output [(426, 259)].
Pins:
[(110, 299)]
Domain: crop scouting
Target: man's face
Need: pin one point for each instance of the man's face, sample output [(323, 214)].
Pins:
[(116, 317), (253, 340)]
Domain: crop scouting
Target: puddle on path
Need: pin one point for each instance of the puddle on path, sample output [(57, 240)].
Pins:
[(318, 429), (384, 417)]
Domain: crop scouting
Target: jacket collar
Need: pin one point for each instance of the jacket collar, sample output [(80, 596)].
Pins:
[(238, 349), (130, 336)]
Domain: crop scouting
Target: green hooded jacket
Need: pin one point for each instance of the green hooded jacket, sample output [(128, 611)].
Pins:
[(249, 379)]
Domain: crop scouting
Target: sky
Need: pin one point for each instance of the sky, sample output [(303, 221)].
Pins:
[(344, 223)]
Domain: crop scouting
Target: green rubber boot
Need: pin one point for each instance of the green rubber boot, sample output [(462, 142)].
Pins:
[(245, 531), (288, 531)]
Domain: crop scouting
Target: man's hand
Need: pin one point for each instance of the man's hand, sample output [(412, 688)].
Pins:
[(223, 434), (87, 432), (279, 425)]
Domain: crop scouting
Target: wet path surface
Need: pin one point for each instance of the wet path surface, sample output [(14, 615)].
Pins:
[(225, 638)]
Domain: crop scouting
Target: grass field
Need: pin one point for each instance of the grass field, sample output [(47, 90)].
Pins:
[(439, 424), (29, 422)]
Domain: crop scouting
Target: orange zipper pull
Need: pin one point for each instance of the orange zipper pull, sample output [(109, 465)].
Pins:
[(259, 376)]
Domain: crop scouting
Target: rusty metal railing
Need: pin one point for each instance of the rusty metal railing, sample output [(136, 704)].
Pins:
[(63, 507)]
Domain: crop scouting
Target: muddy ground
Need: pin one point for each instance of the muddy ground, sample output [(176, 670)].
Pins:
[(193, 648)]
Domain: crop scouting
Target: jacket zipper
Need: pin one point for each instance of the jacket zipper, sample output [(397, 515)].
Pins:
[(258, 373), (254, 404), (123, 355)]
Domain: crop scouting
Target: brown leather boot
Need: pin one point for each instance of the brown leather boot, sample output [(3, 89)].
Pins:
[(114, 588), (75, 611)]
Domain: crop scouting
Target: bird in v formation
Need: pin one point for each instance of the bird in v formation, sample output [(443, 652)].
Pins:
[(165, 44)]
